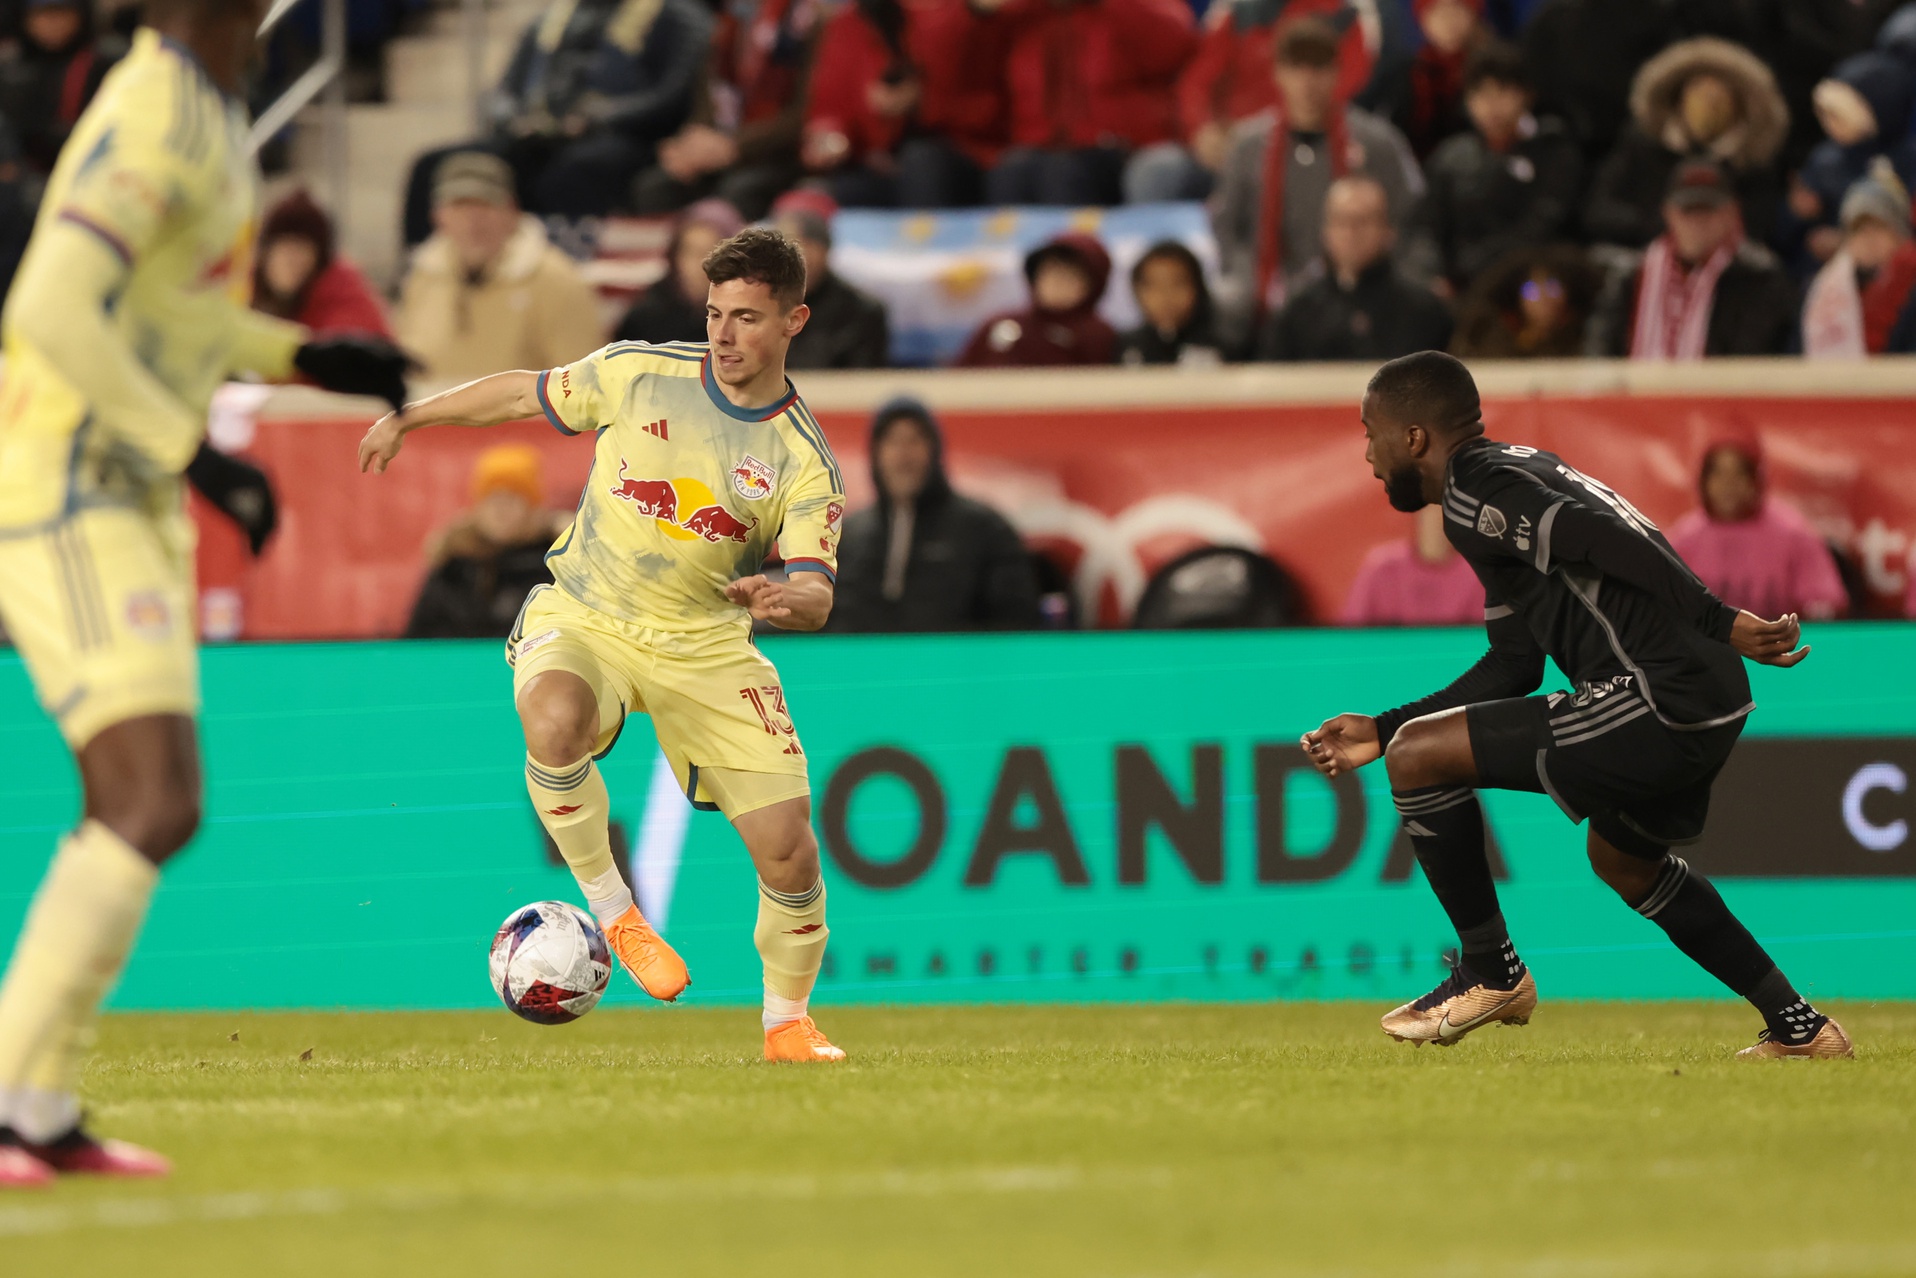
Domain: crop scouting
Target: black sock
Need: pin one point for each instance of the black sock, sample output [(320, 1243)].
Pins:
[(1683, 904), (1446, 828)]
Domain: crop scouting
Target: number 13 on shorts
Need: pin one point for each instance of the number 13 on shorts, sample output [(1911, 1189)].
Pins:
[(769, 701)]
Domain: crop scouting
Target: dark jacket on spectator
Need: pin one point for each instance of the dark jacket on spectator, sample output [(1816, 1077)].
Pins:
[(966, 569), (1582, 56), (1490, 317), (476, 590), (848, 329), (43, 91), (1755, 311), (626, 65), (758, 77), (1800, 41), (1480, 204), (941, 45), (1095, 72), (1229, 76), (1626, 203), (1380, 317), (663, 314), (1031, 337), (1194, 343)]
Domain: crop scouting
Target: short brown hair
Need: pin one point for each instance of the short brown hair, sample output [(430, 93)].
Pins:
[(761, 255), (1307, 42)]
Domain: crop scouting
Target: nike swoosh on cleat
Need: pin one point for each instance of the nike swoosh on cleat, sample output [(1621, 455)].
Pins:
[(567, 810), (802, 931)]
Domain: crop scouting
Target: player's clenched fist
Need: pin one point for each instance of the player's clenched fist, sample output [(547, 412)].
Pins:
[(763, 598), (381, 444), (1342, 744)]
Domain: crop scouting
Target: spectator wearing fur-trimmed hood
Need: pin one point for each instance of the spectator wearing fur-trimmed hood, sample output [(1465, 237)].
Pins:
[(1067, 277), (1701, 98), (924, 558)]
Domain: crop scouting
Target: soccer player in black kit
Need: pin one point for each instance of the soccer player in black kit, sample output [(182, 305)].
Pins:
[(1571, 571)]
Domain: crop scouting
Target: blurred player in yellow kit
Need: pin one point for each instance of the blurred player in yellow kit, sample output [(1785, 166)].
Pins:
[(705, 461), (129, 309)]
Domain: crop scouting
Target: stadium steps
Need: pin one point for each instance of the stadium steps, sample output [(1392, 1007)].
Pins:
[(426, 78)]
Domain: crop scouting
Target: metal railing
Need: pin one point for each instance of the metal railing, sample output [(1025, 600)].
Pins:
[(327, 76)]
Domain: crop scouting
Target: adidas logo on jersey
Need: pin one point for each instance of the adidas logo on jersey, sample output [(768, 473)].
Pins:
[(657, 428)]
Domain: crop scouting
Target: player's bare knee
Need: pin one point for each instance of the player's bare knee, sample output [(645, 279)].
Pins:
[(1630, 877), (788, 863), (1409, 756), (559, 729), (155, 819)]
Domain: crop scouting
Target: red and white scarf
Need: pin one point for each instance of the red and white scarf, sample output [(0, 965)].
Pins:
[(1674, 305), (1270, 216)]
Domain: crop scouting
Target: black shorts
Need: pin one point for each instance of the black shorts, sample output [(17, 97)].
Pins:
[(1603, 755)]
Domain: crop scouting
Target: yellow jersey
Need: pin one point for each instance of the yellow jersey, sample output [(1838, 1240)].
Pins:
[(688, 491), (156, 170)]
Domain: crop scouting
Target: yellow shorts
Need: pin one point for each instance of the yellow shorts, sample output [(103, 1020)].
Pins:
[(716, 703), (101, 608)]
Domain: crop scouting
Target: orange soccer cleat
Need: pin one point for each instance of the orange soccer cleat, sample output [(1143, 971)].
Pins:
[(800, 1042), (655, 965)]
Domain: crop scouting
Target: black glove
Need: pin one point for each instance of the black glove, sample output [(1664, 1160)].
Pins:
[(356, 366), (241, 491)]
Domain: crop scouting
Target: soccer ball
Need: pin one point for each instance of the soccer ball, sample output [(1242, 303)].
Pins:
[(550, 963)]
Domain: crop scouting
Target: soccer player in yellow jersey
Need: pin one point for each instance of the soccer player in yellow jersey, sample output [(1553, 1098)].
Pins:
[(129, 308), (705, 460)]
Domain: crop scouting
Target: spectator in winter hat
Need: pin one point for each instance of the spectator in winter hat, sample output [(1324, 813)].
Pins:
[(1855, 301), (1061, 326), (1701, 98), (1702, 288), (1752, 550), (1864, 107), (299, 275)]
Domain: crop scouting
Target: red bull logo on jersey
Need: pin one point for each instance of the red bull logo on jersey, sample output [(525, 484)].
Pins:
[(753, 478), (685, 509)]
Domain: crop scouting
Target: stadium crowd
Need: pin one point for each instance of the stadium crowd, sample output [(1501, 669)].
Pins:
[(1505, 179)]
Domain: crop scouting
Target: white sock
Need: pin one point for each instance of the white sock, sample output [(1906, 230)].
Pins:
[(40, 1116), (779, 1009), (608, 896)]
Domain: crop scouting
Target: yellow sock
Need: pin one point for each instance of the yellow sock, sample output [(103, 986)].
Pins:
[(576, 810), (78, 934), (790, 935)]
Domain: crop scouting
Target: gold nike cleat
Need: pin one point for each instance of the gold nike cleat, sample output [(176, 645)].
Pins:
[(1827, 1044), (1457, 1006), (655, 965), (800, 1042)]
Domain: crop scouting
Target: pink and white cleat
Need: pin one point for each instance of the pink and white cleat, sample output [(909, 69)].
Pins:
[(18, 1168), (78, 1154)]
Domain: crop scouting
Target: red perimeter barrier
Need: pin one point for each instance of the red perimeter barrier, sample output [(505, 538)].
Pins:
[(1109, 492)]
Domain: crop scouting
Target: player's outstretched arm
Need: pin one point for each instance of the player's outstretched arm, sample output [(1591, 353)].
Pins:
[(502, 397), (802, 601), (1343, 744), (1771, 642)]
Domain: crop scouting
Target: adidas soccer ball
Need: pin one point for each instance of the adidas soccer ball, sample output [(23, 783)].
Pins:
[(550, 963)]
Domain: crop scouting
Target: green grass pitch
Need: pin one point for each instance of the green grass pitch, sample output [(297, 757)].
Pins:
[(1128, 1142)]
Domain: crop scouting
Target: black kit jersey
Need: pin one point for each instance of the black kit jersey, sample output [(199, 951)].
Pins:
[(1572, 570)]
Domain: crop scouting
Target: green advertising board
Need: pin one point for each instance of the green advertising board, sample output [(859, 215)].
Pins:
[(1010, 817)]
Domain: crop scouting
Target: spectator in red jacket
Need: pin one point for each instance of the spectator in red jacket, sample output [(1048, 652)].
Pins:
[(905, 108), (742, 144), (1088, 82), (1061, 326), (1227, 80), (299, 275)]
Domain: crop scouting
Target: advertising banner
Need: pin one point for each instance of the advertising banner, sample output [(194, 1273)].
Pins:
[(1108, 493), (1003, 818)]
